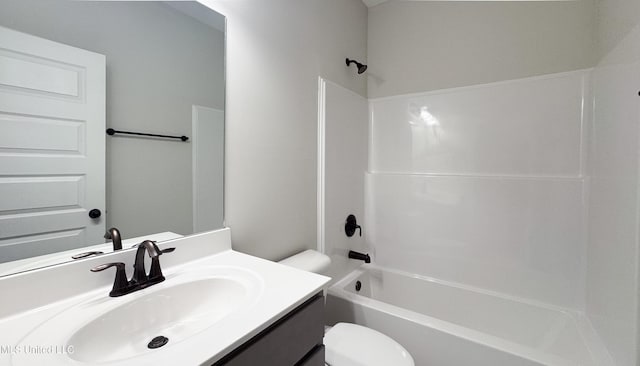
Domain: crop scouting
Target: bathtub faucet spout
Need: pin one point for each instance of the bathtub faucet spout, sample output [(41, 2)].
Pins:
[(360, 256)]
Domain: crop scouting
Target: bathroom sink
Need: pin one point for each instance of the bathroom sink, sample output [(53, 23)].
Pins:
[(174, 313), (112, 330)]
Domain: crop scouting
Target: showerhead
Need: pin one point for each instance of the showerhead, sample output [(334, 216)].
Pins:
[(361, 67)]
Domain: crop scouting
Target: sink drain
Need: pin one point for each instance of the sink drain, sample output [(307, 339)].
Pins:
[(158, 342)]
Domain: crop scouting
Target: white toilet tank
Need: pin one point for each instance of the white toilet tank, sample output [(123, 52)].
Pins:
[(309, 260)]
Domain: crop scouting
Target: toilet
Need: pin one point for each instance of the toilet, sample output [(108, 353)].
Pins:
[(349, 344)]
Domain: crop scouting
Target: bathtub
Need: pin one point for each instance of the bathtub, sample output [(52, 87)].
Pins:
[(447, 324)]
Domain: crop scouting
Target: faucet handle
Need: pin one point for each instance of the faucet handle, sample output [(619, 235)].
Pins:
[(102, 267), (120, 284), (86, 254), (155, 273), (351, 225)]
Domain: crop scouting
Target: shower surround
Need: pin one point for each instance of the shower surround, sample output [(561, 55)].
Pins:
[(470, 194), (484, 185)]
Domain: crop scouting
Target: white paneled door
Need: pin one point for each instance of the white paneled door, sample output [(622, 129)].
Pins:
[(52, 147)]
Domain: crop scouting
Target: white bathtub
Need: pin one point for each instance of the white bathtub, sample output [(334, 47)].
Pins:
[(446, 324)]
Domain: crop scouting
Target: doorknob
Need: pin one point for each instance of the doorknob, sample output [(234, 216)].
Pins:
[(95, 213)]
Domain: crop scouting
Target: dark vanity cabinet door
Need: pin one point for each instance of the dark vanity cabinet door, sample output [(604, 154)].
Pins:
[(294, 340), (315, 358)]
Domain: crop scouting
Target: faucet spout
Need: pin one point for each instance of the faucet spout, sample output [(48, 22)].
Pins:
[(360, 256), (116, 239), (151, 248), (139, 272)]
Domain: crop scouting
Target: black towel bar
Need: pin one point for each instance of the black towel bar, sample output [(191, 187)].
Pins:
[(111, 132)]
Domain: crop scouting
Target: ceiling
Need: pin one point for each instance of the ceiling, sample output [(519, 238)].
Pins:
[(200, 13)]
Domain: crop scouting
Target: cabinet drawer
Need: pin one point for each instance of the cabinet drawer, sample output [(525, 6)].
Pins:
[(286, 342)]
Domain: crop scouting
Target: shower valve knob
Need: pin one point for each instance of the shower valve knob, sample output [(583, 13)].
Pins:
[(351, 225)]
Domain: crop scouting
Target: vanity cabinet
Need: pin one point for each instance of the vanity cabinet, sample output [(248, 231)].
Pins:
[(293, 340)]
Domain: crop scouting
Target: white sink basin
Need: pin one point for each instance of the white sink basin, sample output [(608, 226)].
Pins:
[(114, 330), (173, 312)]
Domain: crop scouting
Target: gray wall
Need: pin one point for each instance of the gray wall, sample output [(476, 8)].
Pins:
[(276, 51), (421, 46), (159, 63), (615, 20)]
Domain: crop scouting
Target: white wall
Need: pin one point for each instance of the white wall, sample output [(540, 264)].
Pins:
[(343, 161), (422, 46), (159, 63), (275, 52), (613, 253), (483, 185)]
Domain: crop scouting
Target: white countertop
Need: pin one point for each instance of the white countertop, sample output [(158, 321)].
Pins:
[(283, 289)]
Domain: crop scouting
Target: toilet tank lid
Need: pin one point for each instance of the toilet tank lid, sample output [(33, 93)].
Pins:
[(349, 344), (309, 260)]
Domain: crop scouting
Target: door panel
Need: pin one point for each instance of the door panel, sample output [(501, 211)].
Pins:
[(33, 133), (33, 245), (33, 193), (52, 147), (38, 75)]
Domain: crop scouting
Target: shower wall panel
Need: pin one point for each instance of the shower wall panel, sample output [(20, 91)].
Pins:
[(484, 185)]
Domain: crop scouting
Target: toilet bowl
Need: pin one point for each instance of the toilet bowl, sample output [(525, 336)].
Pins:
[(349, 344)]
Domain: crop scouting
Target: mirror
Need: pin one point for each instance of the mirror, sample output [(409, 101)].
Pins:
[(150, 72)]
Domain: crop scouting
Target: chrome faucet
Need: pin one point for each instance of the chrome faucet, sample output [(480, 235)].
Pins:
[(116, 239), (140, 279)]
